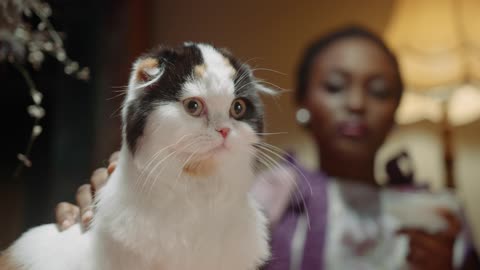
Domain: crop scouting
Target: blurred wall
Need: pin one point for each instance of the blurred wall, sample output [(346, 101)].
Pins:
[(272, 34), (267, 34)]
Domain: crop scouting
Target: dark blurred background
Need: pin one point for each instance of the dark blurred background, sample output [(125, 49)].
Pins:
[(82, 126)]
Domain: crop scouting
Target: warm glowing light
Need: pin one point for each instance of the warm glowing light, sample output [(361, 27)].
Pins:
[(438, 46)]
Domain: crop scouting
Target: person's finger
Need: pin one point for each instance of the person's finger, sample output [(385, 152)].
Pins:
[(433, 243), (114, 157), (85, 202), (420, 258), (111, 167), (417, 255), (424, 246), (99, 178), (66, 214), (454, 224)]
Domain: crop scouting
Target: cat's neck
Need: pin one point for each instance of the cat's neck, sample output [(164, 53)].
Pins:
[(195, 211), (147, 202), (156, 183)]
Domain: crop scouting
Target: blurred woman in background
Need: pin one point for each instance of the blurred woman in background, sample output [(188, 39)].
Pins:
[(348, 90)]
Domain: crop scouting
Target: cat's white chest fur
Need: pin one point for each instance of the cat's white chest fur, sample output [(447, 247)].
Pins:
[(169, 228), (181, 225)]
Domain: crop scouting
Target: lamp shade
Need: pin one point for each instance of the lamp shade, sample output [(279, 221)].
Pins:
[(463, 107), (437, 42), (416, 108)]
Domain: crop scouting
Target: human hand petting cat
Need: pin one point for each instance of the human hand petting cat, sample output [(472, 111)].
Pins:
[(67, 214)]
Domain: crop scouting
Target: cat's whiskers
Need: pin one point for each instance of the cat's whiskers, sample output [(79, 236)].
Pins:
[(268, 147), (246, 73), (119, 87), (123, 90), (141, 198), (183, 165), (269, 69), (246, 69), (153, 159), (147, 179), (241, 78), (245, 63), (271, 165), (172, 155), (154, 169), (272, 84), (279, 152), (196, 140), (165, 165), (121, 94), (158, 174), (245, 85), (159, 126), (271, 133), (118, 110)]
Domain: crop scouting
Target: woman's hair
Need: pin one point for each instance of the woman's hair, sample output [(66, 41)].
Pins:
[(324, 42)]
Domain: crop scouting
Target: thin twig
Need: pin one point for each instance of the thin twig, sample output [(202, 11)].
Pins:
[(25, 157)]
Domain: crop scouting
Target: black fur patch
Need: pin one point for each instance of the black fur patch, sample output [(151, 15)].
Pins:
[(178, 64), (245, 88)]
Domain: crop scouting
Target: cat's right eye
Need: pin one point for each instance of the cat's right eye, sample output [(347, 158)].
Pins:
[(193, 106)]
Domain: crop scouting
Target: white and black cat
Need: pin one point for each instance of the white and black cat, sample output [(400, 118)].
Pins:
[(178, 199)]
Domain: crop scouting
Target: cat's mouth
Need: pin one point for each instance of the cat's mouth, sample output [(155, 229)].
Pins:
[(217, 149), (212, 153)]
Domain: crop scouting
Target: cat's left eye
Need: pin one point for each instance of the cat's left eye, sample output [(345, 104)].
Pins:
[(193, 106), (238, 108)]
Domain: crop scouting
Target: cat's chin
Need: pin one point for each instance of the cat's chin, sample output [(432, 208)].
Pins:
[(205, 164), (201, 168)]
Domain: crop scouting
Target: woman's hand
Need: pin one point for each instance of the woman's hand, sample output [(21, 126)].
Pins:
[(68, 214), (434, 251)]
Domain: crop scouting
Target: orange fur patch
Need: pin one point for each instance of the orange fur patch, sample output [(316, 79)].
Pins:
[(6, 262), (199, 71), (227, 61), (200, 168), (232, 69), (142, 67)]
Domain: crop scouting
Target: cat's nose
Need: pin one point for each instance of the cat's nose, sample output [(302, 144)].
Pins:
[(224, 132)]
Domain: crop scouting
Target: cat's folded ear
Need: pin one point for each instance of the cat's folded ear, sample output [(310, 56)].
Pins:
[(146, 71)]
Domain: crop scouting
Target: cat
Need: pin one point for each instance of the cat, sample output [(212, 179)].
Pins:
[(179, 197)]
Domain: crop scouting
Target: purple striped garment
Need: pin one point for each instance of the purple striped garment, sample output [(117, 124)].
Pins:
[(308, 250)]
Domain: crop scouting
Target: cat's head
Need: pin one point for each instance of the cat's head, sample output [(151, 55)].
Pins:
[(195, 104)]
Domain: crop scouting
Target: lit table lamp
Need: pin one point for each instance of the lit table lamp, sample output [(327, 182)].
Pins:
[(438, 46)]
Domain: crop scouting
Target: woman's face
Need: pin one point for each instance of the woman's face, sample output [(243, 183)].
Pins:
[(352, 94)]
